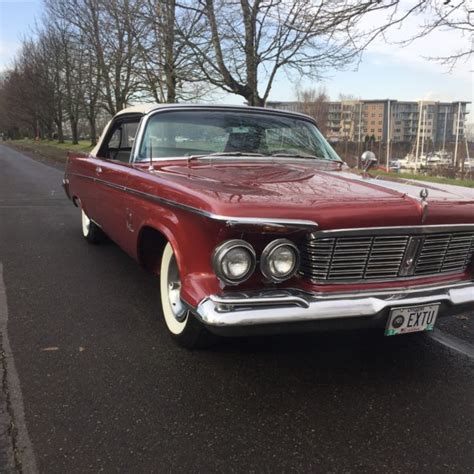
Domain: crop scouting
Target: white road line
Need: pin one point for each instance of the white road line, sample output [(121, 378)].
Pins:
[(23, 442), (453, 342)]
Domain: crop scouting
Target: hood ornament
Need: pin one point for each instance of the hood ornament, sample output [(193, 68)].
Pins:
[(424, 205)]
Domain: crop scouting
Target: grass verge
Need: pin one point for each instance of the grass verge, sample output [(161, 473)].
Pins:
[(48, 151), (468, 183)]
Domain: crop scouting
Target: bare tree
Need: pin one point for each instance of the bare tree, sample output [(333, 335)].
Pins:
[(112, 29), (167, 65), (315, 103), (435, 15), (452, 15), (29, 90), (252, 41)]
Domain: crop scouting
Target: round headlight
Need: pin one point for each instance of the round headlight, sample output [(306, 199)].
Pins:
[(234, 261), (280, 260)]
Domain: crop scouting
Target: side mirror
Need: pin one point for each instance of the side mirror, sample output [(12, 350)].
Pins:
[(369, 160)]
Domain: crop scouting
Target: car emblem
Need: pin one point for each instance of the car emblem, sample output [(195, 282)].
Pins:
[(424, 205), (413, 248)]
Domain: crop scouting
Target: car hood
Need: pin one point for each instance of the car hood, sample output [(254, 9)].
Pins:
[(301, 189)]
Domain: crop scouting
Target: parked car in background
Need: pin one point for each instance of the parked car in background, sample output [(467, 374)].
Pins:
[(395, 166), (253, 224)]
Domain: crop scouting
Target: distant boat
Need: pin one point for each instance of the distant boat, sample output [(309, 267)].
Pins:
[(428, 161)]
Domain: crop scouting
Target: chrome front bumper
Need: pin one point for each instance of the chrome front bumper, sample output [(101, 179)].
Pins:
[(274, 307)]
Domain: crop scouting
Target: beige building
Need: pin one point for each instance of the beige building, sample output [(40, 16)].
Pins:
[(353, 120)]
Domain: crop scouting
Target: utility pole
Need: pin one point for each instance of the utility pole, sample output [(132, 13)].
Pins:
[(455, 158), (387, 167), (418, 136)]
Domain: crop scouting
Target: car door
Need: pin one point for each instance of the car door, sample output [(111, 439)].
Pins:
[(112, 166)]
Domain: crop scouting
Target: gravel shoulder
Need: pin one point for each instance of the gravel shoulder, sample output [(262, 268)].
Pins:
[(48, 154)]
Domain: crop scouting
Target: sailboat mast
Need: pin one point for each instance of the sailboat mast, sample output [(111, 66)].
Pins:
[(387, 167), (423, 135), (418, 136)]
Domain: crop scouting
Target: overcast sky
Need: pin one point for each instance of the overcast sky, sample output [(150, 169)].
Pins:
[(386, 70)]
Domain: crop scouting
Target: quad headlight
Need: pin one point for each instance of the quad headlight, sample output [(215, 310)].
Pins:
[(280, 260), (234, 261)]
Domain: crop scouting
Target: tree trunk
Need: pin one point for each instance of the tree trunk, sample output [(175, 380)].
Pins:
[(74, 131), (253, 99), (59, 125), (169, 51), (93, 129)]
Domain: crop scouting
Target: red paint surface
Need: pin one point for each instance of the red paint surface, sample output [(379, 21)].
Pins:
[(284, 190)]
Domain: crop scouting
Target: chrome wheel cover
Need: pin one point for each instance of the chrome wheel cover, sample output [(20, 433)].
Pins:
[(174, 292)]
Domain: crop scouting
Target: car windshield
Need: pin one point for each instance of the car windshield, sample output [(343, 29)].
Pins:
[(198, 133)]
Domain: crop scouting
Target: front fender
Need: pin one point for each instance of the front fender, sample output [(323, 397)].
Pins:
[(193, 239)]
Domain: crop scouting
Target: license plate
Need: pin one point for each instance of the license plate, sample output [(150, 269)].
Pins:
[(411, 319)]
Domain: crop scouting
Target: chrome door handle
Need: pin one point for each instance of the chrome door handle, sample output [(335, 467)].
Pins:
[(98, 170)]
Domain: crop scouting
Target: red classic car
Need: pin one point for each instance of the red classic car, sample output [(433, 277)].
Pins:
[(255, 225)]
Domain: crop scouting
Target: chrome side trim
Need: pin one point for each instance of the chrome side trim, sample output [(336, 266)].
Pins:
[(415, 230), (287, 306), (265, 221), (229, 221)]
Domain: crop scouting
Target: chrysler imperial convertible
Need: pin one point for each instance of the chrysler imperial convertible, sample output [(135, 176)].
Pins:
[(253, 224)]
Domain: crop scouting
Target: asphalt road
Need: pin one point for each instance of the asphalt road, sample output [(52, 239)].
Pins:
[(95, 384)]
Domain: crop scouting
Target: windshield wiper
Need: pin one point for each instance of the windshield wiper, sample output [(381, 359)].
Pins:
[(297, 155), (224, 153)]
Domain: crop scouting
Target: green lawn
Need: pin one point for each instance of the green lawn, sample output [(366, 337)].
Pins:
[(83, 145), (469, 183)]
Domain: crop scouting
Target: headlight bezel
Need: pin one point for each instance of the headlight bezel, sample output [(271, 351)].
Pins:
[(221, 251), (265, 262)]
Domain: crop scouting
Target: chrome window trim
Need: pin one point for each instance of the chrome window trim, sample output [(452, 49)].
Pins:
[(147, 117), (230, 221)]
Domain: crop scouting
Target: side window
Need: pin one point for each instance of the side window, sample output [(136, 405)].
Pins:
[(119, 144)]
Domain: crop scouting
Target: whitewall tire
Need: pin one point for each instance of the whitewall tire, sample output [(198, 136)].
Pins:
[(183, 326), (90, 230)]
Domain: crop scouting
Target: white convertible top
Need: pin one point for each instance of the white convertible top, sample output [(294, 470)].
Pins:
[(147, 108), (144, 109)]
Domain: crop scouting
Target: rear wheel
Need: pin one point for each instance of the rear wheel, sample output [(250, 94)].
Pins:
[(183, 326), (90, 230)]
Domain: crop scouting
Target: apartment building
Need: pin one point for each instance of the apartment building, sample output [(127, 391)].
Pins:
[(354, 120)]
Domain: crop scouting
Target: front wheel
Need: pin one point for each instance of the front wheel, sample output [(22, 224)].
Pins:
[(183, 326)]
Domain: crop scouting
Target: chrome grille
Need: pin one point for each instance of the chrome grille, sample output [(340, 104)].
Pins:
[(445, 253), (347, 257)]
